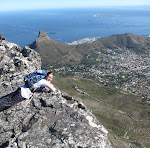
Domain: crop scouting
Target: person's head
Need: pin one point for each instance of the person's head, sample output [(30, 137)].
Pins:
[(49, 76)]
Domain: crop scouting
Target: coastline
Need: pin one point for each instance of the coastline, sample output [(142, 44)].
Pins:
[(82, 41), (90, 40)]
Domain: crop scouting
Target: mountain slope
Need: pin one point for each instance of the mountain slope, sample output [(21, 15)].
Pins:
[(123, 113), (49, 120), (130, 41), (139, 44), (51, 51), (55, 53)]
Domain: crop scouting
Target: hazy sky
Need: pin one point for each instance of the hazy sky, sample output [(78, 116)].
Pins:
[(6, 5)]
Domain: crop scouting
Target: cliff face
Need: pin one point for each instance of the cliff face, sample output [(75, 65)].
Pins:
[(49, 120)]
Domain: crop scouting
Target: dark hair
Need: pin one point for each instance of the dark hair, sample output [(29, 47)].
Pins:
[(50, 72)]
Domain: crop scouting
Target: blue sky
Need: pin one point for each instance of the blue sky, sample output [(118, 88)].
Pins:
[(6, 5)]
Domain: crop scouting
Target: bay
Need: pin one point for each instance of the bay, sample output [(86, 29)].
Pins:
[(67, 25)]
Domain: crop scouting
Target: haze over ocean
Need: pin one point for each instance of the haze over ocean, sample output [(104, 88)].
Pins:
[(67, 25)]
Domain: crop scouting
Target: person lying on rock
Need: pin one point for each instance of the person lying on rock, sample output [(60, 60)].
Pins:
[(23, 92)]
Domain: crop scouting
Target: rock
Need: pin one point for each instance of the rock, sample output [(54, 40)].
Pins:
[(1, 37), (49, 120), (26, 51), (63, 124), (15, 64), (42, 34)]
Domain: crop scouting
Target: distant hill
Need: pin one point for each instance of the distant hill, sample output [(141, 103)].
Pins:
[(53, 52), (138, 44)]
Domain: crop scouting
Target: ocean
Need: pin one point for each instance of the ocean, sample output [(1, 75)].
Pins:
[(67, 25)]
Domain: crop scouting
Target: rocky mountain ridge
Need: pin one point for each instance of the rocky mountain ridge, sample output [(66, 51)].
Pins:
[(15, 63), (49, 119)]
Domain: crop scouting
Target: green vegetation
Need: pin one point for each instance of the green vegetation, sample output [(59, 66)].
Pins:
[(123, 114), (98, 60)]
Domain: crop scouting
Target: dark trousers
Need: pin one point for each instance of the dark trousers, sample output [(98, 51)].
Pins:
[(10, 99)]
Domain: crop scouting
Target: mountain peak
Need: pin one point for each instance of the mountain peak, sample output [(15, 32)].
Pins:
[(42, 34), (1, 37)]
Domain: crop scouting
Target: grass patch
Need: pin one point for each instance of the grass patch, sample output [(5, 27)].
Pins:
[(115, 126)]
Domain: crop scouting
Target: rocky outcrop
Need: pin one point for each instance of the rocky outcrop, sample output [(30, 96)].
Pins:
[(51, 120), (15, 63), (1, 37), (48, 120), (42, 35)]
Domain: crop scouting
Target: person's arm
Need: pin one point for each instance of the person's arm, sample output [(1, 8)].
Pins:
[(51, 87)]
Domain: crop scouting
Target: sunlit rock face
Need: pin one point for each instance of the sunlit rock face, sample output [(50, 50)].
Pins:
[(48, 120), (15, 63), (51, 120)]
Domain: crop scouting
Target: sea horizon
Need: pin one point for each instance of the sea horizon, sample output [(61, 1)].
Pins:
[(73, 24)]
